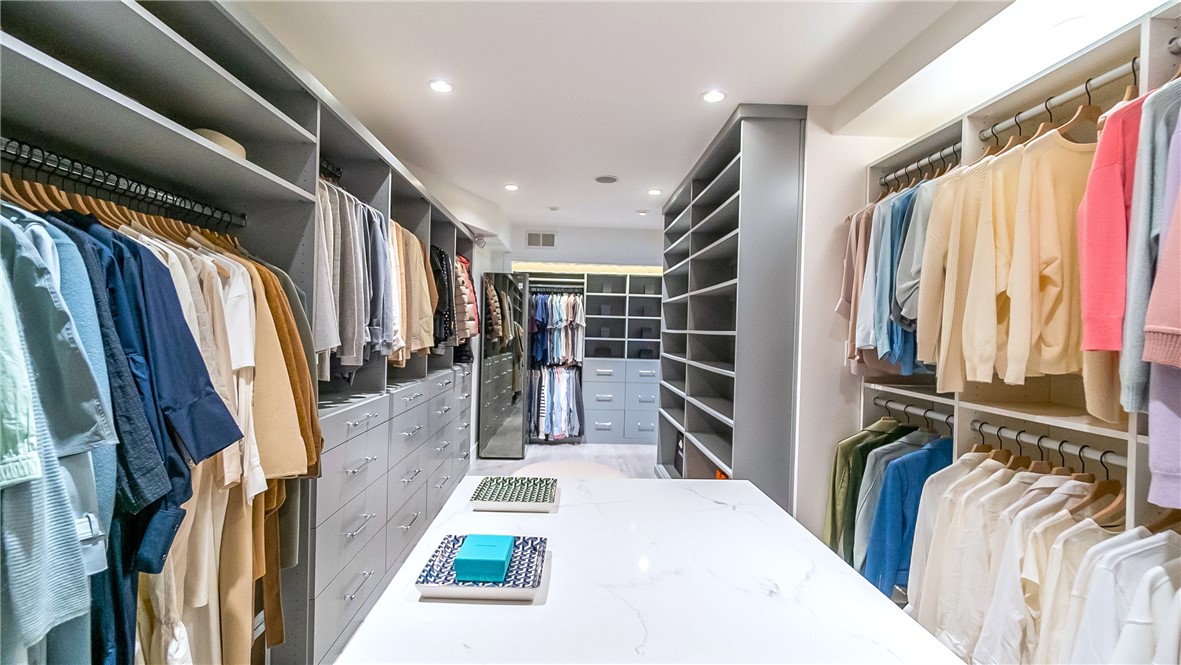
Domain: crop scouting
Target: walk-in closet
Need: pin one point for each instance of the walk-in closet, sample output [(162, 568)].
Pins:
[(590, 332)]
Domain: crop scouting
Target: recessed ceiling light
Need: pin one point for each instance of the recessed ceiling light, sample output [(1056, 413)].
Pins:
[(439, 85), (607, 179), (554, 208), (655, 192), (714, 96), (511, 187), (641, 213)]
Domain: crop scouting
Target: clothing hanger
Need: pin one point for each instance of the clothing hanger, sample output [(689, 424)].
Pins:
[(1103, 489), (1047, 126), (1018, 461), (1086, 114), (991, 150), (928, 429), (1114, 512), (1170, 520), (1062, 470), (1014, 139), (981, 447), (9, 191), (1132, 91), (1082, 476), (1041, 465)]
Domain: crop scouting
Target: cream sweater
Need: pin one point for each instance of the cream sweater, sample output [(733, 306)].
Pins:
[(1045, 328), (933, 277)]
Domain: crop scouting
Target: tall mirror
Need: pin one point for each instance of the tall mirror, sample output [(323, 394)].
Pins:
[(502, 370)]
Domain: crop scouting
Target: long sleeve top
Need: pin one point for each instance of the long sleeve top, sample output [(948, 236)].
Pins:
[(910, 261), (1045, 322), (1149, 211), (866, 330), (933, 276)]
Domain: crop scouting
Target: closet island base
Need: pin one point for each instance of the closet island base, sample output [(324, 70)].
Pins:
[(649, 571)]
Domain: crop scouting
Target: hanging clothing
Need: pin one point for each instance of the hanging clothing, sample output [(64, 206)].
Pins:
[(466, 312), (555, 404), (557, 328)]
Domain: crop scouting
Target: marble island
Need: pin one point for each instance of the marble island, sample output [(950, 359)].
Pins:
[(650, 571)]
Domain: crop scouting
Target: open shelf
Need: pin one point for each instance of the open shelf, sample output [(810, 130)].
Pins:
[(605, 328), (1054, 415), (643, 349), (730, 286), (725, 369), (604, 348), (716, 448), (676, 315), (606, 284), (677, 387), (668, 472), (715, 247), (926, 393), (644, 285), (677, 251), (712, 309), (679, 225), (645, 306), (612, 305), (721, 220), (116, 132), (722, 186)]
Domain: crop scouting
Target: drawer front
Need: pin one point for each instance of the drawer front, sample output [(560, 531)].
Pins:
[(405, 526), (461, 462), (406, 478), (439, 448), (343, 535), (440, 411), (406, 396), (643, 371), (603, 370), (439, 487), (407, 432), (344, 595), (463, 398), (642, 397), (440, 382), (347, 470), (640, 426), (600, 395), (350, 627), (604, 426), (347, 423)]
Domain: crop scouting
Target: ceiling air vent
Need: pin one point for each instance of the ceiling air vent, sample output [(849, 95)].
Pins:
[(541, 239)]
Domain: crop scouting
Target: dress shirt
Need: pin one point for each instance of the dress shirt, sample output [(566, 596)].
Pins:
[(967, 521), (834, 518), (1040, 489), (857, 461), (1147, 614), (866, 339), (924, 527), (938, 557), (1168, 638), (1109, 593), (1003, 636), (1066, 555), (871, 487)]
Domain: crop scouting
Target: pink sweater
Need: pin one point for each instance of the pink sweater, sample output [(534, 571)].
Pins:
[(1162, 328), (1103, 229)]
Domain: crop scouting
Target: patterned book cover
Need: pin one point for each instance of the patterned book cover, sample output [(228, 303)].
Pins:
[(501, 489), (523, 581)]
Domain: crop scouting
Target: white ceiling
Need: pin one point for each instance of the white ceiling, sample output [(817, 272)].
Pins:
[(550, 95)]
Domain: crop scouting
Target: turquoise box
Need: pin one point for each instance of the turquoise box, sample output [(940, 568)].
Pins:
[(483, 558)]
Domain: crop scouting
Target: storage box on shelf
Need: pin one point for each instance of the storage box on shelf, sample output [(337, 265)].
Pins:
[(730, 268)]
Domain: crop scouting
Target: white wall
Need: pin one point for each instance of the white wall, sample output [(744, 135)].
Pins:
[(471, 209), (591, 245), (827, 394)]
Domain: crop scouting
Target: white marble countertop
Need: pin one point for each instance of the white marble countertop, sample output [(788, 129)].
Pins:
[(650, 571)]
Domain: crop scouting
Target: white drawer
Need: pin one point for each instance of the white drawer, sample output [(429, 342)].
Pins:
[(344, 423), (405, 526), (407, 432), (604, 395), (439, 381), (604, 426), (343, 597), (345, 471), (642, 396), (343, 535), (643, 371), (603, 370)]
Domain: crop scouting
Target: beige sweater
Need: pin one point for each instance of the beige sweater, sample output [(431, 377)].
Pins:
[(1045, 320), (933, 277)]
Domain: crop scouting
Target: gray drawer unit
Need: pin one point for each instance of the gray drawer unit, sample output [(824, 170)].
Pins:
[(604, 426), (440, 448), (643, 397), (640, 426), (345, 471), (463, 397), (603, 370), (643, 371), (439, 381), (350, 626), (346, 593), (406, 478), (342, 423), (602, 395), (440, 411), (407, 432), (343, 535), (438, 487), (406, 396), (405, 526), (461, 462)]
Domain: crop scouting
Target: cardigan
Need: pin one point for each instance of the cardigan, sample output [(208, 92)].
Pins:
[(1162, 325)]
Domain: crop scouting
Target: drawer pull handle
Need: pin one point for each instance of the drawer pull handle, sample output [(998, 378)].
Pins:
[(364, 523), (647, 399), (442, 445), (362, 421), (412, 432), (647, 372), (412, 397), (604, 398), (369, 459), (602, 425), (604, 372), (442, 482), (465, 396), (464, 456), (412, 476), (448, 382), (365, 575), (464, 426), (413, 519), (646, 428)]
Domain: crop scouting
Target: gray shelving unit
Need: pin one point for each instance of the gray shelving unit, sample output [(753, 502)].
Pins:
[(623, 316), (729, 307)]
